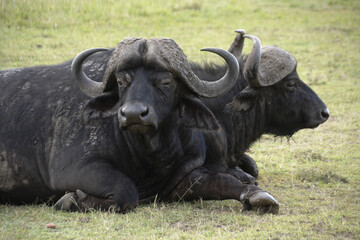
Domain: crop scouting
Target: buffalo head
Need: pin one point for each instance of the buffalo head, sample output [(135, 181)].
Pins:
[(274, 85), (146, 80)]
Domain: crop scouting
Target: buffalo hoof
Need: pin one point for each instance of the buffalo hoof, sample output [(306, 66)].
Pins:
[(261, 202), (68, 202)]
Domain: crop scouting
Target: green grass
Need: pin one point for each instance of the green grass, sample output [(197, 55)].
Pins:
[(314, 175)]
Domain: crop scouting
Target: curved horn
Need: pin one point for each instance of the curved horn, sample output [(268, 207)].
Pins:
[(251, 69), (86, 84), (221, 86)]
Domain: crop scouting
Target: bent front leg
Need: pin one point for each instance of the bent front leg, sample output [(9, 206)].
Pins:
[(248, 165), (99, 187), (202, 183), (81, 201)]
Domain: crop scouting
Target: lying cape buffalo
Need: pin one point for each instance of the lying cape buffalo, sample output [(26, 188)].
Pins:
[(137, 134)]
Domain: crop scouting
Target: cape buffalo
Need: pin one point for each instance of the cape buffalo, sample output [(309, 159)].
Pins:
[(269, 97), (139, 136)]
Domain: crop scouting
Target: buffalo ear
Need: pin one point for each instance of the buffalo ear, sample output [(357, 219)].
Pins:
[(243, 101), (102, 106), (195, 114)]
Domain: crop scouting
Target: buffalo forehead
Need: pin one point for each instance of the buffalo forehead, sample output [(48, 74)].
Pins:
[(126, 54), (157, 53)]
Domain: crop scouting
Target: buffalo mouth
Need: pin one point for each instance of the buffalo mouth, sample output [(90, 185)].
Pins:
[(306, 121), (138, 128), (312, 125), (322, 117)]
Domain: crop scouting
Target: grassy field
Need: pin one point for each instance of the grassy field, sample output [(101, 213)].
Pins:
[(315, 175)]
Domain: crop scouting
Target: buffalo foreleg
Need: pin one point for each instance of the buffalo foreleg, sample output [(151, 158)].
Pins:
[(246, 163), (95, 186), (208, 185), (81, 201)]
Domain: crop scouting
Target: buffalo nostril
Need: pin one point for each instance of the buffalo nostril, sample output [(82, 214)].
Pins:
[(325, 113), (145, 113)]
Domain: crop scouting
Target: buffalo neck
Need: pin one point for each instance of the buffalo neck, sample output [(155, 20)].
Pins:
[(248, 126), (156, 149), (155, 158)]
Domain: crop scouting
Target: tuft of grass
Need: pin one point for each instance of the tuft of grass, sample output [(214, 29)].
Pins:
[(314, 175)]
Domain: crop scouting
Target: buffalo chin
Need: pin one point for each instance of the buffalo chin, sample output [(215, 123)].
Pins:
[(289, 131), (140, 129), (312, 125)]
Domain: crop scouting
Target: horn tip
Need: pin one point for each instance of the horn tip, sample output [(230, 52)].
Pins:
[(242, 31)]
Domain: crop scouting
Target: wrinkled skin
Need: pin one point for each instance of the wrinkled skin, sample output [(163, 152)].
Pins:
[(134, 142)]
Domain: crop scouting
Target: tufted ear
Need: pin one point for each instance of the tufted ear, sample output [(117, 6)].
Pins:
[(195, 114), (102, 106), (243, 101)]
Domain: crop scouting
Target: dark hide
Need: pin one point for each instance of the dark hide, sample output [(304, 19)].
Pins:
[(141, 139)]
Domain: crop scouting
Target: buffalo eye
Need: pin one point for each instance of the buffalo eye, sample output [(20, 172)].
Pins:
[(291, 86), (123, 79), (164, 82)]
